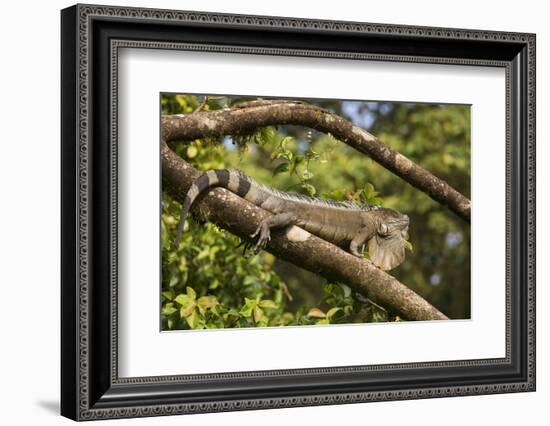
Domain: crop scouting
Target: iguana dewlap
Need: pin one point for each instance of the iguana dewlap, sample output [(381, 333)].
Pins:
[(382, 230)]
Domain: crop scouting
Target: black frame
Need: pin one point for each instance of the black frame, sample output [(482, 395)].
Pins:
[(90, 386)]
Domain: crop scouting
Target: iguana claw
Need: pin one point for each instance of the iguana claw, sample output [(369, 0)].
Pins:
[(265, 237), (358, 253), (246, 246)]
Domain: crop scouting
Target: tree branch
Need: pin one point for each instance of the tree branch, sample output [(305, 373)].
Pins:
[(249, 116), (297, 246)]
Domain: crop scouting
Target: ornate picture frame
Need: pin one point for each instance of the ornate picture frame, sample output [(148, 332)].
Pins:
[(91, 39)]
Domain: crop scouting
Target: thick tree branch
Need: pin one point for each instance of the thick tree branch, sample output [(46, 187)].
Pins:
[(296, 245), (251, 115)]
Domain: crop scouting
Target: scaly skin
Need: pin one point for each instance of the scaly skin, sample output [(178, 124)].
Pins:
[(382, 230)]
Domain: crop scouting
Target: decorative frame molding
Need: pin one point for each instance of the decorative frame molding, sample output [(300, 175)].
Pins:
[(91, 37)]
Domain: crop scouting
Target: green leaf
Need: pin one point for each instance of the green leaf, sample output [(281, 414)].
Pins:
[(316, 313), (246, 310), (249, 280), (183, 264), (213, 251), (214, 284), (407, 245), (168, 309), (346, 289), (332, 311), (174, 279), (265, 135), (334, 195), (281, 168), (183, 299), (192, 151), (368, 195), (267, 304), (203, 254), (207, 302), (193, 319), (258, 313), (164, 235), (286, 154), (369, 190), (231, 313), (296, 161), (191, 293), (263, 322), (168, 294), (306, 175), (185, 311), (334, 289), (299, 159), (311, 154), (285, 140), (310, 189)]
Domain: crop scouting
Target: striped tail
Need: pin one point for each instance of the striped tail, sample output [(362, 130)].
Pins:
[(234, 180)]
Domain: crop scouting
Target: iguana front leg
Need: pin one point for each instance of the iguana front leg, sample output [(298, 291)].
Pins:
[(281, 220), (360, 239)]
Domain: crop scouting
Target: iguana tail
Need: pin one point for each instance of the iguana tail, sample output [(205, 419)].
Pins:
[(233, 180)]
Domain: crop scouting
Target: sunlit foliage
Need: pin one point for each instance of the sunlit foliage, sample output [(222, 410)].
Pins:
[(209, 283)]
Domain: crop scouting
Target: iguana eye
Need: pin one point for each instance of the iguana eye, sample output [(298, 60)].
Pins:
[(383, 230)]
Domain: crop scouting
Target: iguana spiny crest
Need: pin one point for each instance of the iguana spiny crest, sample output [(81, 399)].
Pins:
[(383, 231)]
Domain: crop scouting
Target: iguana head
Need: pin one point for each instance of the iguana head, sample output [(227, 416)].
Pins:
[(387, 247)]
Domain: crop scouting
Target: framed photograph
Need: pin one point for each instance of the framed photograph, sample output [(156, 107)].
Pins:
[(263, 212)]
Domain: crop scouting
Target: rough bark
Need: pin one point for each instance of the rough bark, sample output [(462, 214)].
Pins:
[(244, 118), (296, 245)]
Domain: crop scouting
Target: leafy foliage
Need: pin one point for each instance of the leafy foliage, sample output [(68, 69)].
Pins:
[(208, 283)]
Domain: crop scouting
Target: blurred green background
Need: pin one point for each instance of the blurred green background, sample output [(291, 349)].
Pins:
[(208, 283)]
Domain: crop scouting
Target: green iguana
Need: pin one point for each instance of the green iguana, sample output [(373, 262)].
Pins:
[(345, 224)]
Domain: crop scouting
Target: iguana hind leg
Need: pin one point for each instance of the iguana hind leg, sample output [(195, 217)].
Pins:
[(277, 221)]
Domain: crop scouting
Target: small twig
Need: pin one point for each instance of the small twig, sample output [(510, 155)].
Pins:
[(202, 105), (365, 300)]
